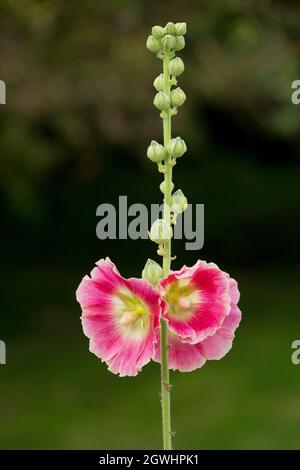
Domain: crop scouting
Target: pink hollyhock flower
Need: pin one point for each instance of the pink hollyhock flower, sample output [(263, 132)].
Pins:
[(200, 307), (119, 316)]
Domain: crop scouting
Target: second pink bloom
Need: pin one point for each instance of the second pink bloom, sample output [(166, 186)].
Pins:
[(200, 307)]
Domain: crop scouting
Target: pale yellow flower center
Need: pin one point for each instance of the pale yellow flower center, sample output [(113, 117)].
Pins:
[(132, 314), (182, 298)]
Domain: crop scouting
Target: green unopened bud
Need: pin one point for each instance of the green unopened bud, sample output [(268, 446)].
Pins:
[(179, 43), (179, 202), (158, 32), (177, 97), (177, 147), (180, 29), (153, 44), (162, 187), (176, 67), (156, 152), (152, 272), (170, 28), (161, 101), (160, 231), (168, 42), (159, 83)]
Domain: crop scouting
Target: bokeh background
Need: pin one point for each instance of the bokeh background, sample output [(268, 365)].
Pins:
[(73, 135)]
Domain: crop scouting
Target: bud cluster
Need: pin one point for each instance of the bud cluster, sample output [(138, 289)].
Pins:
[(170, 38), (165, 42)]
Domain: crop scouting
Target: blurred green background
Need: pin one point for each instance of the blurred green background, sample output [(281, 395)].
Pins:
[(73, 135)]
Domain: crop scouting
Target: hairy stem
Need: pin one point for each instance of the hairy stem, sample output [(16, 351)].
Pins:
[(165, 384)]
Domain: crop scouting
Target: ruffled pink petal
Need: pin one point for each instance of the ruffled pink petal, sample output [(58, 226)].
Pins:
[(104, 280), (218, 345), (187, 357), (105, 339), (132, 358), (182, 356), (106, 271), (234, 291), (125, 351)]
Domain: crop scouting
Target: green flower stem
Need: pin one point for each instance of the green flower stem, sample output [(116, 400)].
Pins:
[(165, 383)]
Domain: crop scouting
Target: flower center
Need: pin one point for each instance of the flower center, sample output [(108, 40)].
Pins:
[(132, 313), (131, 316), (182, 298)]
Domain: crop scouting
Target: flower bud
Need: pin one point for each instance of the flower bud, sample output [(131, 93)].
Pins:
[(152, 272), (177, 97), (168, 42), (162, 187), (161, 101), (153, 44), (179, 43), (170, 28), (160, 231), (179, 202), (158, 32), (180, 29), (177, 147), (159, 83), (176, 67), (156, 152)]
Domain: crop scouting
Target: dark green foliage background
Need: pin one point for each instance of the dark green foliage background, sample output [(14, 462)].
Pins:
[(73, 135)]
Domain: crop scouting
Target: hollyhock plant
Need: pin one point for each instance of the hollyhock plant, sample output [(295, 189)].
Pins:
[(180, 318)]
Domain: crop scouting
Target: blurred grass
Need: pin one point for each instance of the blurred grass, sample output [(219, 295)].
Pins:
[(56, 395)]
